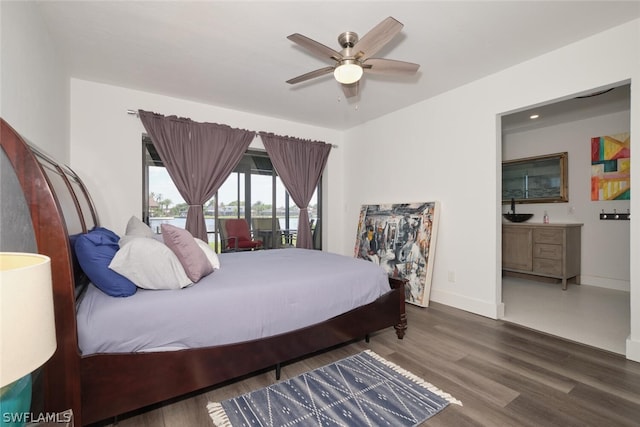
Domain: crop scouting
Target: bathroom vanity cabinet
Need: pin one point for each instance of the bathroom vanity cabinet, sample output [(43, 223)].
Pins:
[(544, 250)]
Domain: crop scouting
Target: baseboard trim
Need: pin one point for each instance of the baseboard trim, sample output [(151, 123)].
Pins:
[(476, 306), (603, 282), (633, 350)]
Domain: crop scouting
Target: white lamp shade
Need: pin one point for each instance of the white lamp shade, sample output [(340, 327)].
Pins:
[(348, 73), (27, 323)]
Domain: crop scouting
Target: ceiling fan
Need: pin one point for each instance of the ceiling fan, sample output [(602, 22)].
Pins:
[(355, 58)]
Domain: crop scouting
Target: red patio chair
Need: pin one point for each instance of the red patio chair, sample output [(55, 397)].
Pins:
[(236, 236)]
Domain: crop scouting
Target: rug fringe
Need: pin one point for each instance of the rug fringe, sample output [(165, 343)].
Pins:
[(414, 378), (218, 415)]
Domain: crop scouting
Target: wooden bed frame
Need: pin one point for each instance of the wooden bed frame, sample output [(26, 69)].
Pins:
[(101, 386)]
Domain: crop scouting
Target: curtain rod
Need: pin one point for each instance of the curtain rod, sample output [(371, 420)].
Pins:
[(135, 113)]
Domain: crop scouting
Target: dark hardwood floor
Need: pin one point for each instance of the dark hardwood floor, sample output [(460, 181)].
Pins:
[(505, 375)]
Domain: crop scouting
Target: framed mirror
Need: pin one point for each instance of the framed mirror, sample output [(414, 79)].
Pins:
[(539, 179)]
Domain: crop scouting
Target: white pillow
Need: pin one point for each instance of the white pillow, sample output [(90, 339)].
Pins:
[(150, 264), (210, 253), (136, 228)]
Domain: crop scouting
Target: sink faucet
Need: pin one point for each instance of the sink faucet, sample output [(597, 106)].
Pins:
[(513, 206)]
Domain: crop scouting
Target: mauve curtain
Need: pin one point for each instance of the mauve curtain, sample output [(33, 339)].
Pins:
[(198, 156), (299, 163)]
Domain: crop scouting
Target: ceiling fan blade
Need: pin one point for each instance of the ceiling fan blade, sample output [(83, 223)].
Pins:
[(376, 38), (389, 66), (314, 47), (311, 75), (350, 90)]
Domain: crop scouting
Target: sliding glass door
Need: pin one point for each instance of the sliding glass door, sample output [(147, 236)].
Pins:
[(253, 191)]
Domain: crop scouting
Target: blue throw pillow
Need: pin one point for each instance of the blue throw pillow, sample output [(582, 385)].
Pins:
[(94, 251), (105, 234)]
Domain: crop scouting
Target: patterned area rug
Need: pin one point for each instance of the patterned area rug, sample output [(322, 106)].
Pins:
[(361, 390)]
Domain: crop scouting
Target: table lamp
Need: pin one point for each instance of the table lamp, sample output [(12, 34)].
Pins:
[(27, 330)]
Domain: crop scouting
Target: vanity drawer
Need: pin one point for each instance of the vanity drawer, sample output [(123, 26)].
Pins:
[(547, 266), (541, 250), (548, 235)]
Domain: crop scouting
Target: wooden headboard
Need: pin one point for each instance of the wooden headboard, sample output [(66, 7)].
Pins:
[(60, 209)]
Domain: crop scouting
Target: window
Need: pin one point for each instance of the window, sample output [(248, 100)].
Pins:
[(253, 190)]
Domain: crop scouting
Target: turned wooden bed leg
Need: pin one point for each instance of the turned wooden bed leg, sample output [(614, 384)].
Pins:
[(278, 371), (399, 284), (366, 338), (402, 326)]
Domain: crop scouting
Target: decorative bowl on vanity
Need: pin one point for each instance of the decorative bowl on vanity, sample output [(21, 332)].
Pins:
[(517, 217)]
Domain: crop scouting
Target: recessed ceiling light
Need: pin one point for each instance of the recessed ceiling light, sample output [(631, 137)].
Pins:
[(534, 116)]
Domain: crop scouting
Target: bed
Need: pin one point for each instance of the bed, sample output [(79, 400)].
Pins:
[(100, 384)]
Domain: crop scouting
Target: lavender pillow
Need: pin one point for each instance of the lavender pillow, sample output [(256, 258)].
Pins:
[(191, 256)]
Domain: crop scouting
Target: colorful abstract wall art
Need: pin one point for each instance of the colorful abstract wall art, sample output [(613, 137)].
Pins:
[(401, 238), (610, 167)]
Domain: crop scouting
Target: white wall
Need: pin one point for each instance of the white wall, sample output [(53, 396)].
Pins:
[(437, 150), (106, 146), (605, 244), (448, 148), (34, 83)]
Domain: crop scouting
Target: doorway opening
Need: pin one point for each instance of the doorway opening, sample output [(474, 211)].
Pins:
[(595, 312)]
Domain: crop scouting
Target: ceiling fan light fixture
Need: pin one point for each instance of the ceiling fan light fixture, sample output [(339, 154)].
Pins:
[(348, 72), (356, 56)]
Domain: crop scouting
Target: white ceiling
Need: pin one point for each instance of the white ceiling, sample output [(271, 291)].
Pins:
[(235, 54)]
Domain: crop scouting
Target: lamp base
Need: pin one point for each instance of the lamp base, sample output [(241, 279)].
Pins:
[(15, 401)]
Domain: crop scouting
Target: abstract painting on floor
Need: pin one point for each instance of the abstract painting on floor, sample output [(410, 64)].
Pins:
[(610, 167), (401, 238)]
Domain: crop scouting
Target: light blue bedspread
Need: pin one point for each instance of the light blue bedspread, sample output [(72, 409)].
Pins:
[(253, 295)]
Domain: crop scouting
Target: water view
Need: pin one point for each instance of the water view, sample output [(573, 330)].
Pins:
[(155, 223)]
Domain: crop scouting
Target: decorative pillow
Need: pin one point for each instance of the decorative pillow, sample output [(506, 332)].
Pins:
[(107, 234), (136, 228), (94, 252), (150, 265), (193, 259), (209, 252)]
